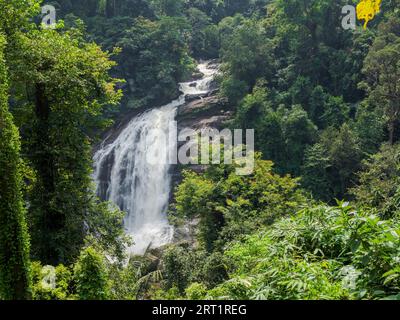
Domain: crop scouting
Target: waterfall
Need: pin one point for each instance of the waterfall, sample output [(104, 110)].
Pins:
[(139, 187)]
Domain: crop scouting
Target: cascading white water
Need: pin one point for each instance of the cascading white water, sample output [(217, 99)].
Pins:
[(140, 187)]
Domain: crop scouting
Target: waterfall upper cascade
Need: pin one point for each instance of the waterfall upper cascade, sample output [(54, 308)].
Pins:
[(139, 187)]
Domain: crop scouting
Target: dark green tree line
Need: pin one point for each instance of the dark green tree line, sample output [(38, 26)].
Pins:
[(14, 240)]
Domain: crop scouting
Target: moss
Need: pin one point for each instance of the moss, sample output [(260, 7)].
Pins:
[(14, 240)]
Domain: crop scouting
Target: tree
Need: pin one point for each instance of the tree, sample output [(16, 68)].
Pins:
[(311, 28), (320, 252), (326, 110), (204, 42), (330, 166), (16, 14), (370, 127), (379, 181), (315, 172), (299, 132), (247, 55), (168, 7), (62, 85), (255, 112), (14, 241), (230, 206), (382, 69), (90, 275), (153, 59), (346, 156), (176, 268)]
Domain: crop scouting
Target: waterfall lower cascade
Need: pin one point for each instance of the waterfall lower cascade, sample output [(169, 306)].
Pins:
[(139, 187)]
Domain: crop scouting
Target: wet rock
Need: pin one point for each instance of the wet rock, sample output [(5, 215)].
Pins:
[(194, 97), (197, 75)]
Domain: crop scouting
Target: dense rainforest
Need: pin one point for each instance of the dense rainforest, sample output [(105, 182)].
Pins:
[(319, 218)]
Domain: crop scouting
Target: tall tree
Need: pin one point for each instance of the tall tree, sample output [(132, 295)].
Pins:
[(379, 181), (330, 165), (65, 85), (14, 240), (382, 68), (299, 132)]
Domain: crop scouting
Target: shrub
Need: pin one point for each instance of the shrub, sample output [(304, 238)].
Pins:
[(91, 276)]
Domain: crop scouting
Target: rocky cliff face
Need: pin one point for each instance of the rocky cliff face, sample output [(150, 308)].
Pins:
[(204, 110), (210, 111)]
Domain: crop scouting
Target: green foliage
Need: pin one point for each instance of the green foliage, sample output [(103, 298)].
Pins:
[(14, 239), (205, 41), (155, 37), (282, 135), (370, 128), (170, 294), (246, 55), (299, 131), (214, 270), (104, 231), (94, 278), (320, 98), (298, 57), (168, 7), (90, 275), (15, 14), (320, 253), (153, 59), (61, 82), (196, 291), (183, 265), (176, 268), (379, 182), (326, 110), (229, 205), (132, 281), (382, 68), (316, 172), (89, 8), (191, 195), (330, 166), (51, 283)]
